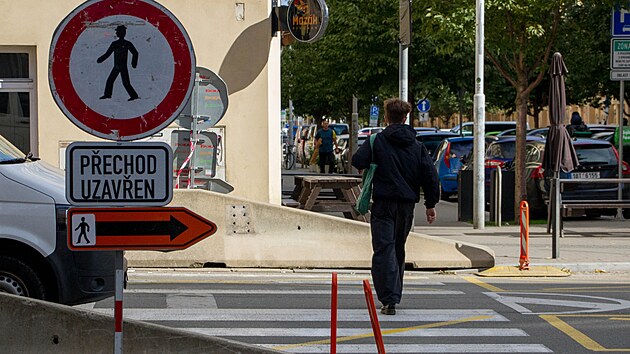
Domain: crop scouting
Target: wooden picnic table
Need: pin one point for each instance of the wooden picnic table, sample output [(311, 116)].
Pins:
[(345, 190)]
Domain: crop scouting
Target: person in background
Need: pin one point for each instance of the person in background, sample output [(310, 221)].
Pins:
[(577, 124), (404, 166), (325, 138)]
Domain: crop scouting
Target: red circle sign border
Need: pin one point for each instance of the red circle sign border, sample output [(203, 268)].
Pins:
[(87, 119)]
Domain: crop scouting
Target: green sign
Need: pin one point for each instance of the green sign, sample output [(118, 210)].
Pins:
[(626, 135)]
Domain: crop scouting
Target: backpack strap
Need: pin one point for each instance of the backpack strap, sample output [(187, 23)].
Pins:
[(372, 138)]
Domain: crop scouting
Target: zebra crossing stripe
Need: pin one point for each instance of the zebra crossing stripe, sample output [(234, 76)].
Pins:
[(279, 292), (421, 348), (302, 315), (348, 332), (387, 332)]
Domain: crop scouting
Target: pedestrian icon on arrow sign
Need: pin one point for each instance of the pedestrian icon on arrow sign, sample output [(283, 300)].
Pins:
[(84, 230)]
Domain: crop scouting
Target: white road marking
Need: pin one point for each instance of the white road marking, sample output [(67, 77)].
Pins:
[(420, 348), (517, 302), (348, 332), (191, 301), (301, 315), (279, 292)]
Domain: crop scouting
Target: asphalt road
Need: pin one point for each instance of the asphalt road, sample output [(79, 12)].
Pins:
[(440, 313)]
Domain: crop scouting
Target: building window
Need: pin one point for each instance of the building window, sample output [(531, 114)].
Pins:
[(17, 71), (14, 66)]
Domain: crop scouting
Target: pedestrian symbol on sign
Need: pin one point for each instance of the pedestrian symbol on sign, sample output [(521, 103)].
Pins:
[(83, 229), (120, 48)]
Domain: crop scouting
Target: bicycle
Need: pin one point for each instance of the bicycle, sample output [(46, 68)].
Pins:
[(288, 156)]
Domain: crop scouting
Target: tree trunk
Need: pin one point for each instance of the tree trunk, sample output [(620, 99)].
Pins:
[(520, 190)]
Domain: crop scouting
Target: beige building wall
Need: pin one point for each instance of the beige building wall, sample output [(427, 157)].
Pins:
[(237, 45)]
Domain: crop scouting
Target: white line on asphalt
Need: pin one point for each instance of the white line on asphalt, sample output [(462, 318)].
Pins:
[(279, 292), (348, 332), (564, 303), (267, 280), (301, 315), (420, 348), (191, 301)]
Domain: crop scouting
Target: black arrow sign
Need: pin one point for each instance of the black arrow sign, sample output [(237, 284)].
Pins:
[(172, 228)]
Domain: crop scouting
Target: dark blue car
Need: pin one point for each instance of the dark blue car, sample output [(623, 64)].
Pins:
[(448, 161)]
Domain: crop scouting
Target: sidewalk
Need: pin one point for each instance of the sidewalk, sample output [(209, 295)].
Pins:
[(599, 245)]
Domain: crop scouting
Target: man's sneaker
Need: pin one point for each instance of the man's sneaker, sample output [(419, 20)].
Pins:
[(388, 309)]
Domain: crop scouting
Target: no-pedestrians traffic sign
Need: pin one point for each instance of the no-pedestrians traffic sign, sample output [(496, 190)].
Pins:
[(121, 70)]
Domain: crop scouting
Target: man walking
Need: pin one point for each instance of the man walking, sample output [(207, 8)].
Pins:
[(324, 139), (404, 165)]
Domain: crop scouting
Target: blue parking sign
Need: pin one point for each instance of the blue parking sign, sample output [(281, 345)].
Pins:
[(620, 22), (373, 111)]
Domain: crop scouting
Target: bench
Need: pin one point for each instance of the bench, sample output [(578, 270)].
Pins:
[(595, 204), (290, 202)]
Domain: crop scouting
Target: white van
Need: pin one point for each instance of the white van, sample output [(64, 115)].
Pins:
[(34, 258)]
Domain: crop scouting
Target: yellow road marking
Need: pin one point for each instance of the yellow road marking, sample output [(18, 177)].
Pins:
[(573, 333), (482, 284), (580, 337), (385, 332)]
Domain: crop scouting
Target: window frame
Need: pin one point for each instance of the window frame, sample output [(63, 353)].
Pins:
[(28, 85)]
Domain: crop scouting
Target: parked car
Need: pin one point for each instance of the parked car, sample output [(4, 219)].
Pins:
[(366, 132), (597, 159), (540, 132), (491, 127), (425, 129), (35, 260), (342, 159), (500, 154), (431, 139), (448, 161)]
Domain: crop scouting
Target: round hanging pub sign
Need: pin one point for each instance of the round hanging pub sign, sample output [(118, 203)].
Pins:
[(307, 19)]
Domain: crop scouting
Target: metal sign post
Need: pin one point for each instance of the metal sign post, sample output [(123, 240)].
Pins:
[(118, 304), (194, 134)]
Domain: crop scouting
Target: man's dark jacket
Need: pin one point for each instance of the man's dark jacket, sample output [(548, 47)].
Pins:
[(404, 165)]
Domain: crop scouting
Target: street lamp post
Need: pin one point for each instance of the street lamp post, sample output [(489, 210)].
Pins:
[(480, 126)]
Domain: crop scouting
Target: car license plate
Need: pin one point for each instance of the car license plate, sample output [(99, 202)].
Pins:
[(584, 175)]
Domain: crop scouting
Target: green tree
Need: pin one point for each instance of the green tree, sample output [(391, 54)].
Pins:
[(519, 37)]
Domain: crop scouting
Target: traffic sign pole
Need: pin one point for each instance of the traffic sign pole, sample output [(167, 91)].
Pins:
[(118, 305)]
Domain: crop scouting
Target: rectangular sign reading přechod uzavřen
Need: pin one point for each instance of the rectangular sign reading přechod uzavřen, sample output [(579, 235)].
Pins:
[(119, 174)]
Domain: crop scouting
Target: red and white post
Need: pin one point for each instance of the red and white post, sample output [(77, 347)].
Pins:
[(524, 257), (118, 305), (333, 315)]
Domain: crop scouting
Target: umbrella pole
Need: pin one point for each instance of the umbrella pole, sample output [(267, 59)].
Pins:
[(557, 218)]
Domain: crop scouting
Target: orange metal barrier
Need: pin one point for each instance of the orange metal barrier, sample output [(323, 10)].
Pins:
[(524, 257), (376, 328)]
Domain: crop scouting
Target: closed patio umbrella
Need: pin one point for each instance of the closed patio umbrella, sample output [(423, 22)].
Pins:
[(559, 152)]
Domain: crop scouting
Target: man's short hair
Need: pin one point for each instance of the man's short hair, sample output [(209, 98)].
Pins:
[(397, 110)]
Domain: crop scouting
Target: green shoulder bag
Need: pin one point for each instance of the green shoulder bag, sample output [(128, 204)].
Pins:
[(363, 202)]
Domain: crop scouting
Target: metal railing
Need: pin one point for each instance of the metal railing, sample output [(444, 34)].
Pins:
[(557, 204)]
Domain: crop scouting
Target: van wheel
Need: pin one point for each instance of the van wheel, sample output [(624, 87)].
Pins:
[(18, 278)]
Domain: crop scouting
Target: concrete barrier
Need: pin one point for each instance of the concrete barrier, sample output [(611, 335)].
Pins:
[(253, 234), (34, 326)]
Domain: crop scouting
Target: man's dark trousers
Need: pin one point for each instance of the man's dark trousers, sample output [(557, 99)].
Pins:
[(326, 158), (390, 223)]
